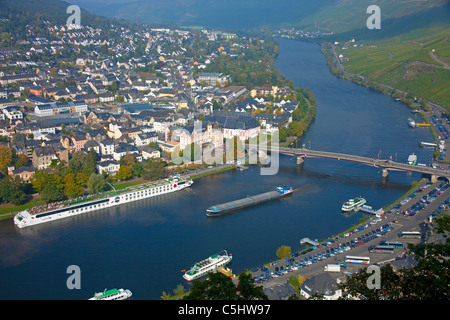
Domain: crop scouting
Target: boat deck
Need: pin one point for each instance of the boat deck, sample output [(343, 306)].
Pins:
[(249, 200)]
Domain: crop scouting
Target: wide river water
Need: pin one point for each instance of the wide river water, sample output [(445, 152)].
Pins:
[(145, 246)]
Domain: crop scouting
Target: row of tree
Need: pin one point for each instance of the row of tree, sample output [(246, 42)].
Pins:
[(73, 179)]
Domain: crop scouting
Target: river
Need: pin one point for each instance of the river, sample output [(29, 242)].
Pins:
[(145, 246)]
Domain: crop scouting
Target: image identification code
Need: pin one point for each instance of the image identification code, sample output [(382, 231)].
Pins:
[(227, 309)]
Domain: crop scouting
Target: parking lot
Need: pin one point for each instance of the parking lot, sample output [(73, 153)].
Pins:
[(440, 124), (409, 214)]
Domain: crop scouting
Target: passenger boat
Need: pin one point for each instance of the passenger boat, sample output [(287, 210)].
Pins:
[(353, 204), (208, 265), (26, 218), (112, 294), (412, 159)]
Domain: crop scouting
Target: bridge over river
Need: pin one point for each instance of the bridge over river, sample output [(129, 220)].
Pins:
[(383, 164)]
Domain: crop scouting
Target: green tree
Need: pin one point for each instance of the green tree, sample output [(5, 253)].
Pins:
[(283, 132), (125, 172), (114, 86), (41, 178), (165, 296), (5, 158), (81, 179), (21, 161), (96, 183), (296, 128), (90, 163), (128, 160), (179, 290), (12, 190), (217, 287), (71, 188), (154, 169), (77, 162), (283, 252), (51, 193), (138, 170), (248, 290)]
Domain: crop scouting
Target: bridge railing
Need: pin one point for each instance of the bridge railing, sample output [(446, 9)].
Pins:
[(379, 163)]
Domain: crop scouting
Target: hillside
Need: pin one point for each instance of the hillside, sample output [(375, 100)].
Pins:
[(229, 14), (410, 53), (349, 15)]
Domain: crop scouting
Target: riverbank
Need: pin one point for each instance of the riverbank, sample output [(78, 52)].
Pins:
[(387, 229), (415, 104), (129, 185), (342, 238)]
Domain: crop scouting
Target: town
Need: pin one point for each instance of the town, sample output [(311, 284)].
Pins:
[(110, 122), (138, 94)]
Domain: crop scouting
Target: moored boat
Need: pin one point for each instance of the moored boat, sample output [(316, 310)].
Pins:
[(353, 204), (412, 159), (55, 212), (411, 122), (208, 265), (112, 294)]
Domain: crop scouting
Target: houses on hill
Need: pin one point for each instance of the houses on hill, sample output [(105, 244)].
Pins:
[(106, 98)]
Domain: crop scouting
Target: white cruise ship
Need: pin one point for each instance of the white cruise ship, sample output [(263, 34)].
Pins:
[(25, 218), (208, 265), (112, 294)]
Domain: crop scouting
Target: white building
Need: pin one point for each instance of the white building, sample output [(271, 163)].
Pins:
[(148, 153), (108, 166), (13, 113), (122, 149), (144, 139), (53, 108), (322, 284), (106, 147)]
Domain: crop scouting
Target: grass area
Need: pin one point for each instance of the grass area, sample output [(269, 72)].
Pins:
[(196, 176), (10, 208), (124, 185)]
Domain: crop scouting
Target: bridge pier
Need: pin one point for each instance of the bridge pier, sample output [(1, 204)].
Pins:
[(433, 178), (300, 160), (385, 173)]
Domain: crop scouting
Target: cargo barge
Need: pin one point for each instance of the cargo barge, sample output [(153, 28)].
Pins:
[(220, 209)]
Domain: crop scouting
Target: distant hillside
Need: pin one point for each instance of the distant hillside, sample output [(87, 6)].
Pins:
[(228, 14), (349, 15), (53, 11), (410, 53)]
